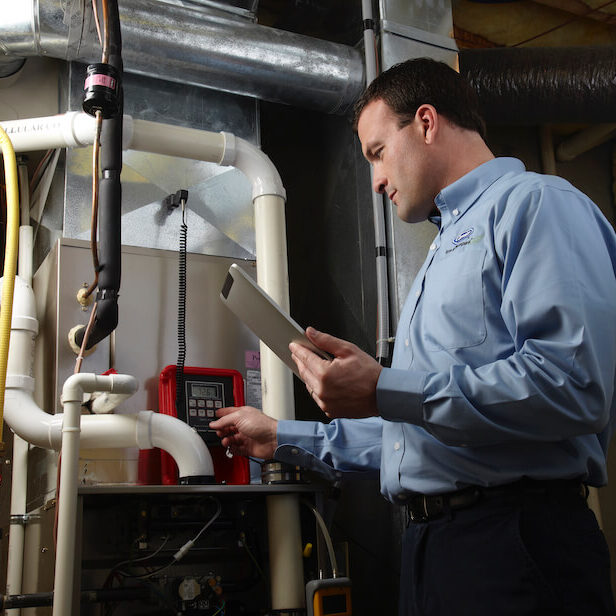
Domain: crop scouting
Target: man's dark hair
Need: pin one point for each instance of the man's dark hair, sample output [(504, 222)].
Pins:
[(408, 85)]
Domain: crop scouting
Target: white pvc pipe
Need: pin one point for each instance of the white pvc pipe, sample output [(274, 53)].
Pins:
[(176, 141), (72, 129), (149, 429), (287, 580), (272, 275), (14, 572), (72, 397), (145, 430), (75, 129), (259, 169), (66, 502), (19, 471), (24, 265)]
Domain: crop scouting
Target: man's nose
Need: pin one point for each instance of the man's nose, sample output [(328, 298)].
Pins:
[(379, 183)]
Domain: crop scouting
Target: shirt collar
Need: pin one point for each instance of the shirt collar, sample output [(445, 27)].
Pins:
[(465, 191)]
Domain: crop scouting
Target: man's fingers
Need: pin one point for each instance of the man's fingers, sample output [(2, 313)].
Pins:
[(225, 421), (326, 342), (226, 411)]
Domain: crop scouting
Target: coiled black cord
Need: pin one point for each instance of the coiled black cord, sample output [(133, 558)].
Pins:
[(179, 373)]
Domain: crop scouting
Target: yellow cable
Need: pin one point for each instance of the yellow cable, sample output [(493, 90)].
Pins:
[(10, 262)]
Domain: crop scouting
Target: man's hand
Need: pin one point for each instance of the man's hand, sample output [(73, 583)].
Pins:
[(344, 386), (246, 431)]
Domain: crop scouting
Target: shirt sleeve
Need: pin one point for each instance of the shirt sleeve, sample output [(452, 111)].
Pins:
[(342, 447), (558, 293)]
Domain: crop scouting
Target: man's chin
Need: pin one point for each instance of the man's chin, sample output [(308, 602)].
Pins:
[(413, 214)]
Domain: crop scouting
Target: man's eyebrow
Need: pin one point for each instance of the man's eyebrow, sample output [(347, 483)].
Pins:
[(370, 149)]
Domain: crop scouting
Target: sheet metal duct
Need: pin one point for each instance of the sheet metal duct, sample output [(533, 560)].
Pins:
[(543, 85), (201, 46)]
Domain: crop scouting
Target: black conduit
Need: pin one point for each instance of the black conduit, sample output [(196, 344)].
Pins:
[(543, 85), (110, 203)]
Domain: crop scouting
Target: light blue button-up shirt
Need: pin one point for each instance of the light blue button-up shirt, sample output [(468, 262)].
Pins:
[(505, 358)]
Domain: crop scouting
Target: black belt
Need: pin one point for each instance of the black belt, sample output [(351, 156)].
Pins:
[(426, 507)]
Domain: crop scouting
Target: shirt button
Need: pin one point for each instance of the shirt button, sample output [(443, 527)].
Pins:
[(396, 446), (432, 246), (417, 293), (406, 342), (456, 212)]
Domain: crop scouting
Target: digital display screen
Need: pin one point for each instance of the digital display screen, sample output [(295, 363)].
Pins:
[(202, 390), (334, 604)]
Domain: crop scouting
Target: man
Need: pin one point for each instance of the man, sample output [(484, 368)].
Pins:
[(498, 408)]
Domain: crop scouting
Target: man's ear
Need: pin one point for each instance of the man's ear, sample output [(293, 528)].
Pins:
[(428, 118)]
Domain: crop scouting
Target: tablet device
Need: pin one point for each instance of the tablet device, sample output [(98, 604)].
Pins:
[(265, 318)]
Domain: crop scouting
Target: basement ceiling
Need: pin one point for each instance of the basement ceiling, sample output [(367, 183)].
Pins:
[(534, 23), (524, 23)]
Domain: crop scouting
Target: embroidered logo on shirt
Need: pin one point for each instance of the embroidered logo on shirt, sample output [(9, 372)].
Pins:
[(465, 235), (464, 239)]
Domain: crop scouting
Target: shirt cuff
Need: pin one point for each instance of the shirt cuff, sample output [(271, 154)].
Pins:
[(400, 395), (295, 444)]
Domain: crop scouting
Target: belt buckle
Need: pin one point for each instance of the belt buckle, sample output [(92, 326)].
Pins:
[(418, 514)]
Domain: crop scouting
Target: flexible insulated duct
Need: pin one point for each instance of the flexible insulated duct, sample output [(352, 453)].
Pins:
[(201, 46), (543, 85)]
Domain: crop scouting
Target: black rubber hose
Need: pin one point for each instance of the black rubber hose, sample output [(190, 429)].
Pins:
[(110, 203)]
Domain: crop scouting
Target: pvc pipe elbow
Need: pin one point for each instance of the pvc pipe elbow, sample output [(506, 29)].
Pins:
[(255, 164), (78, 384), (27, 420), (184, 445)]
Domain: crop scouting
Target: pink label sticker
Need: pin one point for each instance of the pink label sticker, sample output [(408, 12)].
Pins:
[(100, 80), (253, 360)]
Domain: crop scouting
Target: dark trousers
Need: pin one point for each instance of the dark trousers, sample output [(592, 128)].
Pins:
[(507, 557)]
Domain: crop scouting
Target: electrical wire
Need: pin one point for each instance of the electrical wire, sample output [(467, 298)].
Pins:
[(220, 610), (182, 551), (143, 558), (40, 169), (96, 147), (84, 342), (97, 22), (179, 372), (252, 556), (94, 216), (326, 536), (564, 23), (105, 56)]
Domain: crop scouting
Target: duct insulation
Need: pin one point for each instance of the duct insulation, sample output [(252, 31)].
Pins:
[(543, 85), (200, 46)]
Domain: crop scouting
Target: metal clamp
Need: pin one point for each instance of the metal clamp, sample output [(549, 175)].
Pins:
[(23, 519)]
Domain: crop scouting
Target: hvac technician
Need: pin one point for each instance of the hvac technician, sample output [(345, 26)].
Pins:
[(498, 408)]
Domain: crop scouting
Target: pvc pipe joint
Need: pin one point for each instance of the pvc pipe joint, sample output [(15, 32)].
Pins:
[(255, 164)]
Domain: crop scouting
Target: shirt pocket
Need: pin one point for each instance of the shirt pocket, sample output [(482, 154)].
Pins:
[(453, 305)]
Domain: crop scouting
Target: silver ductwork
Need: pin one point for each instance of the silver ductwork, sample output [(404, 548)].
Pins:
[(200, 46)]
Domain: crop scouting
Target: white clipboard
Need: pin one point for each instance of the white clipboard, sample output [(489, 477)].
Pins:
[(265, 318)]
